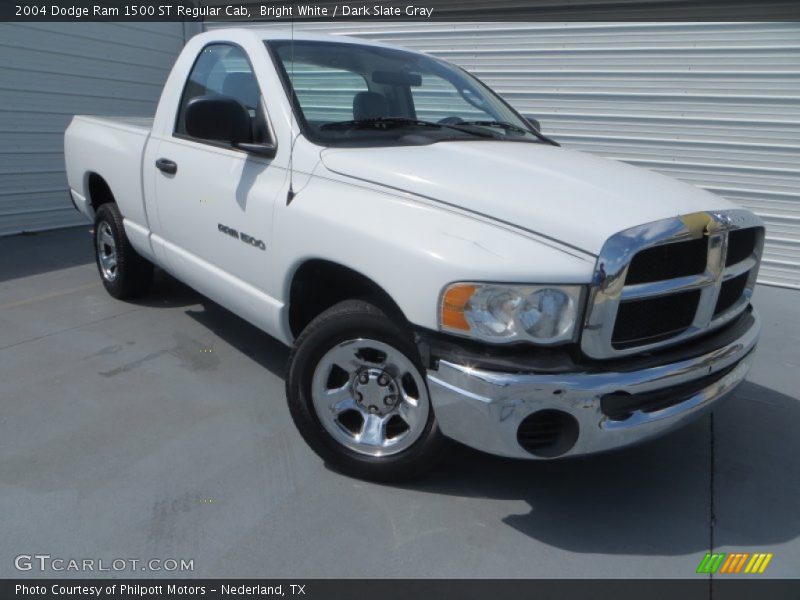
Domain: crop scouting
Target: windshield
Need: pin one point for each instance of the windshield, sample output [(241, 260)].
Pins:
[(352, 94)]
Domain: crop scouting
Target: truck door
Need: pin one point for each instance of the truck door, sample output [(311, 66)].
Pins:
[(215, 201)]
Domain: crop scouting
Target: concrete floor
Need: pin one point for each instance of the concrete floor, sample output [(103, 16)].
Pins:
[(159, 429)]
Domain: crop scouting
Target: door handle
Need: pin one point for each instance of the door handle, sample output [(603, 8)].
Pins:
[(166, 165)]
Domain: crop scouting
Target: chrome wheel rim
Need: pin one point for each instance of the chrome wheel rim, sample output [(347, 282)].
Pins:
[(106, 251), (370, 397)]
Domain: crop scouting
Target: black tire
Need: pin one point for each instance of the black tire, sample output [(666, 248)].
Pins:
[(348, 320), (133, 274)]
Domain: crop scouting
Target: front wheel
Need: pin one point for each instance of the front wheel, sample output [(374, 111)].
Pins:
[(358, 395)]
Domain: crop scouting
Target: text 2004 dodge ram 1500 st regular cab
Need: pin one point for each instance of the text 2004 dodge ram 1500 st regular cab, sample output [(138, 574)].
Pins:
[(441, 269)]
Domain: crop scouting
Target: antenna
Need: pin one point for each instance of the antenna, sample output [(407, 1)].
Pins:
[(290, 192)]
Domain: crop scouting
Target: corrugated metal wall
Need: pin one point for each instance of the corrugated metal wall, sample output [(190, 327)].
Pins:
[(717, 105), (714, 104), (51, 71)]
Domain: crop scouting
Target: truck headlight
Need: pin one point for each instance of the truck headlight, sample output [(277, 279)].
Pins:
[(498, 313)]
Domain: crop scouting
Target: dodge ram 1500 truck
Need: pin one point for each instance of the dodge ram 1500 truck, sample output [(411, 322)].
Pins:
[(441, 269)]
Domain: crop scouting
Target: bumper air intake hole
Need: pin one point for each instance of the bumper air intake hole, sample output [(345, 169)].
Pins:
[(548, 433)]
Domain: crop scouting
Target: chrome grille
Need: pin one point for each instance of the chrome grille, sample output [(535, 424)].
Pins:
[(635, 325), (665, 282)]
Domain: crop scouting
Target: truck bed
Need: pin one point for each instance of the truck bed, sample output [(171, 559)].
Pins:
[(140, 125), (111, 147)]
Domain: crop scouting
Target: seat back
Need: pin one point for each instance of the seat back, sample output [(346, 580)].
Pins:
[(370, 105)]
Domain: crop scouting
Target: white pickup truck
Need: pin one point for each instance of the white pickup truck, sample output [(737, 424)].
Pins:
[(442, 270)]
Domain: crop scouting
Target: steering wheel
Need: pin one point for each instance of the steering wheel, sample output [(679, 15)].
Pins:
[(450, 121)]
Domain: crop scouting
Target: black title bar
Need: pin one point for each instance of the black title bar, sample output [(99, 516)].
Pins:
[(394, 10), (698, 588)]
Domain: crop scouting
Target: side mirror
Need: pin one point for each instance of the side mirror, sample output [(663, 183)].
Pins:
[(218, 118), (534, 122)]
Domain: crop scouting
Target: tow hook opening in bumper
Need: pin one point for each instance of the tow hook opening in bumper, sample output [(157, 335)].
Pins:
[(543, 416), (621, 405)]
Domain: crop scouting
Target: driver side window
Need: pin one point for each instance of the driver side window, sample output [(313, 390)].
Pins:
[(224, 70)]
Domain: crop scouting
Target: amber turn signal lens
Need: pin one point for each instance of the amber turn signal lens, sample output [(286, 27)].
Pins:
[(453, 303)]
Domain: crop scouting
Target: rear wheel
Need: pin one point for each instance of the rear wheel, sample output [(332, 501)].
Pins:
[(357, 394), (125, 274)]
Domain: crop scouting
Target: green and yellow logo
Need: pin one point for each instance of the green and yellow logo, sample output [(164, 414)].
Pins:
[(736, 562)]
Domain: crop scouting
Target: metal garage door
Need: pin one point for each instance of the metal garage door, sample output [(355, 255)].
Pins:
[(717, 105), (50, 71)]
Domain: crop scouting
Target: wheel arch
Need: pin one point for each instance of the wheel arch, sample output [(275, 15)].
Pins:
[(98, 192), (317, 284)]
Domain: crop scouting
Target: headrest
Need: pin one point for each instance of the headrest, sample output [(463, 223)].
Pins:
[(369, 105)]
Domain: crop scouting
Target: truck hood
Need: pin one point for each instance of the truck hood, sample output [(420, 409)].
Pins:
[(568, 196)]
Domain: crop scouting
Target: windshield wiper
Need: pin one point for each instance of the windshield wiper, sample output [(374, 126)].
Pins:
[(511, 127), (501, 124), (378, 122), (391, 122)]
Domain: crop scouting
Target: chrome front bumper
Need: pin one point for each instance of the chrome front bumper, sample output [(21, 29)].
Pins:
[(484, 409)]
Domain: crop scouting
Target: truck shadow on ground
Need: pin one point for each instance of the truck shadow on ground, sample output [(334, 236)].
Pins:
[(654, 499), (168, 292), (246, 338)]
